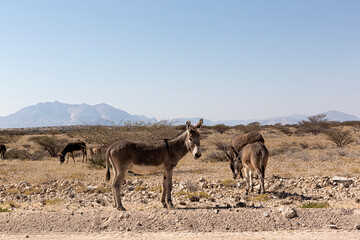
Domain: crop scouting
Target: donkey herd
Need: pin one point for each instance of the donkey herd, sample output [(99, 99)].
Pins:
[(246, 151)]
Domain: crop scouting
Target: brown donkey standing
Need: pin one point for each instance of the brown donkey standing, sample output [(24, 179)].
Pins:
[(147, 157), (253, 157)]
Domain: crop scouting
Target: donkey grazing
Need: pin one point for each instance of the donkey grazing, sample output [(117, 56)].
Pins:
[(253, 157), (2, 151), (238, 142), (71, 148), (148, 157)]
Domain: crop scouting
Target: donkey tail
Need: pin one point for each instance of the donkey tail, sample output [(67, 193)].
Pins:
[(263, 162), (108, 164)]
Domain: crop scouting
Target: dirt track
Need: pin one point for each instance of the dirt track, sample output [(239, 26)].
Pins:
[(263, 223), (295, 235)]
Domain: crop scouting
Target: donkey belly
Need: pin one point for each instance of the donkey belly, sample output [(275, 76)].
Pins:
[(144, 169)]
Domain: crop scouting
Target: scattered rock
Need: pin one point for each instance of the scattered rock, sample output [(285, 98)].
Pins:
[(202, 179), (288, 212), (333, 226), (346, 182), (194, 199), (240, 204)]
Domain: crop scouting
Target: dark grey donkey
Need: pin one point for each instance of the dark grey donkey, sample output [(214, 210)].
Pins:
[(2, 151), (72, 147), (146, 157)]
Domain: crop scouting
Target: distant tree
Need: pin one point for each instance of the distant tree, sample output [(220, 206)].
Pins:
[(253, 127), (315, 124), (340, 137), (221, 128), (51, 144)]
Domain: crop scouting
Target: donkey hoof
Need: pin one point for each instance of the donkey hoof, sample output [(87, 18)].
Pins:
[(170, 206), (121, 208)]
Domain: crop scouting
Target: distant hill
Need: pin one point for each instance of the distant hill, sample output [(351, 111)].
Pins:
[(291, 119), (61, 114)]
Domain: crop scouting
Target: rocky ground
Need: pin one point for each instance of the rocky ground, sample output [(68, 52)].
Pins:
[(201, 206)]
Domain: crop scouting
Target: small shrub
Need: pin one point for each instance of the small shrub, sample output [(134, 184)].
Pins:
[(341, 138), (277, 151), (155, 189), (252, 127), (181, 193), (99, 190), (27, 146), (97, 161), (260, 198), (221, 145), (215, 156), (286, 131), (16, 153), (197, 195), (221, 128), (315, 205), (140, 188), (228, 183), (4, 210), (319, 146), (54, 201), (13, 204), (77, 176), (304, 145)]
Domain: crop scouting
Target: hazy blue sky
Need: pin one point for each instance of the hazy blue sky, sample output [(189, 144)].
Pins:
[(166, 59)]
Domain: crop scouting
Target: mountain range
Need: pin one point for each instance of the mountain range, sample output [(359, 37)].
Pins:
[(62, 114)]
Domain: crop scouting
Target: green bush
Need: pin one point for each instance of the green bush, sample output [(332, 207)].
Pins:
[(4, 210), (315, 205)]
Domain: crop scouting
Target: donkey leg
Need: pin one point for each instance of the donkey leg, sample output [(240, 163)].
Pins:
[(258, 173), (163, 192), (118, 180), (166, 190), (251, 181), (262, 184), (247, 181), (168, 182)]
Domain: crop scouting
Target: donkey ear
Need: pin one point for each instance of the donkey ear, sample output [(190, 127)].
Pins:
[(234, 152), (188, 124), (199, 124)]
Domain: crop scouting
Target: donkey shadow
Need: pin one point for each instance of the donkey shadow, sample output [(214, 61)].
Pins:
[(292, 196), (280, 195)]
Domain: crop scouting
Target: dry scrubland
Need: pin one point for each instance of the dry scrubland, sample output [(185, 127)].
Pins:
[(44, 196)]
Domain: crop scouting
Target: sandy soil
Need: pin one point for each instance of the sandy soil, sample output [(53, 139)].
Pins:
[(182, 224)]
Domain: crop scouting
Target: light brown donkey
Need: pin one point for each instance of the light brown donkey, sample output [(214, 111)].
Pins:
[(253, 157), (147, 157)]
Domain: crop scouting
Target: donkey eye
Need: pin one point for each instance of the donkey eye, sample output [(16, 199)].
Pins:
[(191, 139)]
